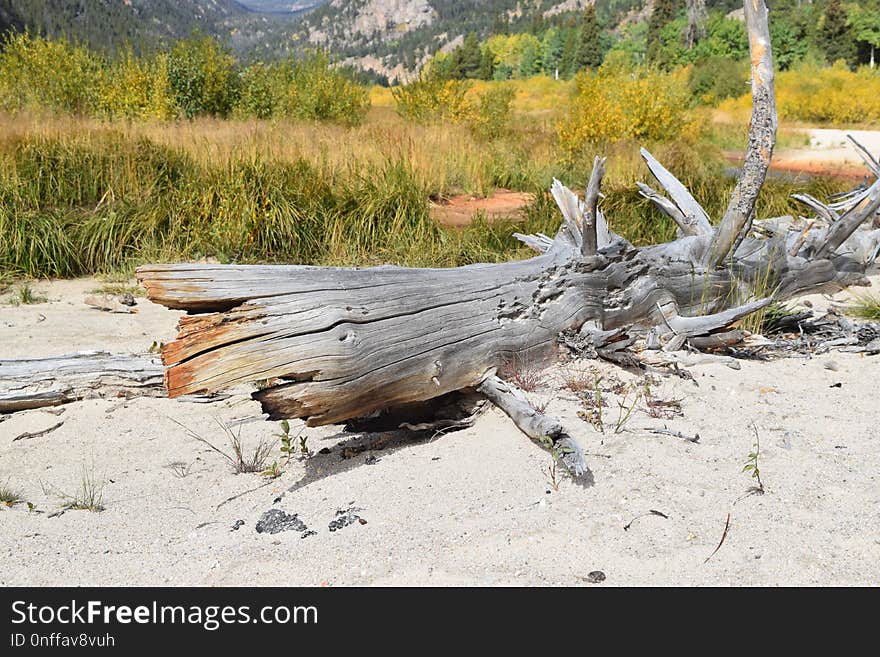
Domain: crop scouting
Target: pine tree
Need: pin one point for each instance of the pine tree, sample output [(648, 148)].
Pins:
[(530, 62), (487, 65), (663, 13), (835, 37), (589, 50), (499, 24), (569, 49), (464, 61), (551, 51), (470, 56)]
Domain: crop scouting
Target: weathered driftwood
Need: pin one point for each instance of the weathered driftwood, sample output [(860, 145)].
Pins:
[(341, 343), (41, 382), (534, 424), (762, 138), (27, 435)]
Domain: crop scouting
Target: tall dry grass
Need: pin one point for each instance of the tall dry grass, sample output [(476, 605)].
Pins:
[(80, 195)]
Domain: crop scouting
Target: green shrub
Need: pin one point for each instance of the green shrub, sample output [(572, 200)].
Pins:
[(203, 76), (259, 94), (310, 89), (320, 92), (198, 77), (715, 79), (493, 113)]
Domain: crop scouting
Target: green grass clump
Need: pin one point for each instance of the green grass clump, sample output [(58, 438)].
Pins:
[(89, 496), (9, 497), (865, 306), (27, 296)]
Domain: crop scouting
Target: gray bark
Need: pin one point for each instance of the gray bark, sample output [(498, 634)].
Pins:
[(697, 18), (762, 135), (694, 220), (41, 382), (535, 425)]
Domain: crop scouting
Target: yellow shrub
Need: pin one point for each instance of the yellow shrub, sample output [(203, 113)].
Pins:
[(381, 96), (834, 95), (432, 98), (611, 105), (822, 95), (162, 104), (51, 74), (138, 89)]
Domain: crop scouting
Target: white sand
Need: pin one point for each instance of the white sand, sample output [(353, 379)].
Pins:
[(829, 151), (470, 507)]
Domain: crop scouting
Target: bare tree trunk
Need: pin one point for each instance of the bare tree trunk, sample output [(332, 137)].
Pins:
[(340, 343), (697, 18)]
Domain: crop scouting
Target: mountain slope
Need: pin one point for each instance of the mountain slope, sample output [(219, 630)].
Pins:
[(107, 24), (281, 6), (394, 37), (391, 37)]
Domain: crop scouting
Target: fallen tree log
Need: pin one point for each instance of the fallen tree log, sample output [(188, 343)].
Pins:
[(40, 382), (342, 343)]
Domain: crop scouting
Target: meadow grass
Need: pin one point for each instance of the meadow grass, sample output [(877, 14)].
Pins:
[(81, 196)]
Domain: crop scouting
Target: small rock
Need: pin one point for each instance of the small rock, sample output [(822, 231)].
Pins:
[(275, 520), (371, 460), (836, 385), (126, 299), (238, 524), (596, 577), (344, 518)]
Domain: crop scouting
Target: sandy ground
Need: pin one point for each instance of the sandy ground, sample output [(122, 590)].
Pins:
[(460, 210), (471, 507), (829, 152)]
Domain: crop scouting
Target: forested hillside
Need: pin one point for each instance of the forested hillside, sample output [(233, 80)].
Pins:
[(108, 24), (492, 39)]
